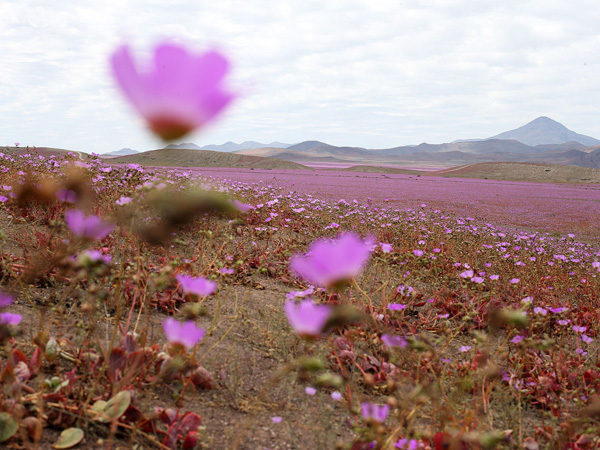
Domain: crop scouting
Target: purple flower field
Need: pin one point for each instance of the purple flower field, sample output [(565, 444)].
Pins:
[(554, 208)]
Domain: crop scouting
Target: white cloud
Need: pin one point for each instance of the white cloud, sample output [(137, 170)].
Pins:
[(374, 74)]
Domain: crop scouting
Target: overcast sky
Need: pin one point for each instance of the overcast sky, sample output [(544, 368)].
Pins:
[(370, 73)]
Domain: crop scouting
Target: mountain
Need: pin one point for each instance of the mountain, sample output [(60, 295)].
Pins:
[(544, 130), (186, 145), (247, 145), (476, 147), (123, 152), (229, 146)]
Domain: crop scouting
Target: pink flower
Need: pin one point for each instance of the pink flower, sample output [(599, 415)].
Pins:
[(10, 318), (306, 317), (187, 334), (89, 227), (199, 286), (337, 396), (393, 341), (123, 201), (418, 252), (5, 299), (385, 248), (66, 195), (396, 306), (467, 274), (178, 93), (377, 413), (332, 261), (310, 390)]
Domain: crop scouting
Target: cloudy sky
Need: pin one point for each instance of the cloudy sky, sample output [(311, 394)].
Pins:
[(370, 73)]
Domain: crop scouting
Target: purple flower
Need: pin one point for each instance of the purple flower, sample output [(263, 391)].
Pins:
[(226, 271), (10, 318), (464, 348), (332, 261), (393, 341), (396, 306), (276, 419), (514, 280), (585, 338), (404, 443), (518, 338), (187, 334), (385, 248), (96, 256), (90, 227), (557, 310), (540, 310), (579, 329), (66, 195), (377, 413), (242, 207), (5, 299), (418, 253), (123, 201), (178, 93), (199, 286), (467, 274), (337, 396), (310, 390), (306, 317)]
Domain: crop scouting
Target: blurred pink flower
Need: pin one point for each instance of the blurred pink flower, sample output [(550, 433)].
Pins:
[(10, 318), (393, 341), (332, 261), (5, 299), (66, 195), (306, 317), (90, 227), (199, 286), (337, 396), (377, 413), (180, 92), (187, 334), (123, 201)]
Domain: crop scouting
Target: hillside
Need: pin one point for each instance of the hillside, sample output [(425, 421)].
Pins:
[(550, 173), (203, 158)]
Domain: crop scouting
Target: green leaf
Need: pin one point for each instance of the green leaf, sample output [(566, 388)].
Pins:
[(8, 426), (117, 405), (69, 438)]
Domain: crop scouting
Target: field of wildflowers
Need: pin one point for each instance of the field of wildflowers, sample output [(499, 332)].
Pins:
[(154, 308), (160, 309)]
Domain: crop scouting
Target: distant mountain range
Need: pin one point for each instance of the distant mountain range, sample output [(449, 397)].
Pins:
[(541, 140), (123, 152), (229, 146)]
